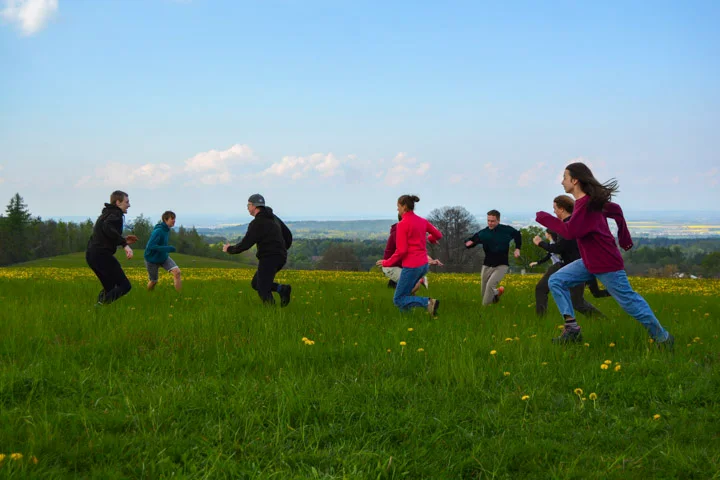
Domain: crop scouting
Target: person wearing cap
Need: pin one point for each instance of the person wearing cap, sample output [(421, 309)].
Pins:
[(273, 238)]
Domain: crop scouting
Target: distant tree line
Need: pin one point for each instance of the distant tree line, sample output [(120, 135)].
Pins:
[(24, 237)]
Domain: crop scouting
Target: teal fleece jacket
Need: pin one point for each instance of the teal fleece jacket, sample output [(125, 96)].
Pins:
[(157, 249)]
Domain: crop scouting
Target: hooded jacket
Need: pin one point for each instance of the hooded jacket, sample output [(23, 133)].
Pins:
[(157, 249), (268, 232), (107, 231)]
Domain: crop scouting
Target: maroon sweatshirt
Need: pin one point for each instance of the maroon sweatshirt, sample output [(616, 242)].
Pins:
[(390, 246), (595, 242)]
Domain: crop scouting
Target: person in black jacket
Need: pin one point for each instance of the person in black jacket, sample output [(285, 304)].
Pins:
[(100, 253), (563, 206), (273, 238)]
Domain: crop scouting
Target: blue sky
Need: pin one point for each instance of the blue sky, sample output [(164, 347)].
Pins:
[(336, 108)]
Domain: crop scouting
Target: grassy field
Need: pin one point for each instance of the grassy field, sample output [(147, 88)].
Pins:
[(210, 384)]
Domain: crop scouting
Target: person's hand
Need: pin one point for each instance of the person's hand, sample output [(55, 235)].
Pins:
[(537, 240), (437, 262), (130, 239), (128, 252), (517, 253), (532, 264), (469, 243), (225, 247), (379, 263)]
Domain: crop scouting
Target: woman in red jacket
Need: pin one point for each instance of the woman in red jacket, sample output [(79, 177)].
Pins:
[(411, 252)]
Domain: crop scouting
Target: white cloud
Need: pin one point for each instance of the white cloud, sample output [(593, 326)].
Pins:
[(218, 160), (31, 15), (326, 165), (404, 167), (492, 172), (121, 175), (530, 176)]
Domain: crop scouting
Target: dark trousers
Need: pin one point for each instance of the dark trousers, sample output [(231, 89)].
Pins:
[(264, 279), (595, 289), (110, 273), (576, 295)]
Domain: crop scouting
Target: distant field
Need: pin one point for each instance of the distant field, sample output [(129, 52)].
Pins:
[(210, 384), (184, 261)]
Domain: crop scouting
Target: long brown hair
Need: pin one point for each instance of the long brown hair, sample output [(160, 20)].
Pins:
[(599, 193)]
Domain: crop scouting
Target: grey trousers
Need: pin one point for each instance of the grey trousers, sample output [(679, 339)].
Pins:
[(491, 277)]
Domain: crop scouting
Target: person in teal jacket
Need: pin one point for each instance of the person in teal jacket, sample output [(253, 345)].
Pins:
[(495, 240), (157, 252)]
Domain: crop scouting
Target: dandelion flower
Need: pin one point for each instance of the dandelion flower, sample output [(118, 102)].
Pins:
[(612, 345), (420, 349), (578, 391), (650, 340), (402, 344), (507, 374), (603, 366), (388, 350), (617, 368), (19, 456), (561, 327), (516, 338), (2, 457), (656, 416), (593, 396), (493, 352), (410, 329), (525, 398), (508, 339), (608, 362), (543, 363), (587, 344)]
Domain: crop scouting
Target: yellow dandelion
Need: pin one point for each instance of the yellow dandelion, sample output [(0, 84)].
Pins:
[(587, 344), (493, 352), (420, 349), (561, 327), (696, 339), (410, 329), (578, 391), (603, 366), (612, 345), (617, 368), (593, 396), (656, 416), (707, 314), (16, 456), (516, 338), (508, 339), (402, 344), (2, 457), (525, 398), (388, 350), (607, 362), (304, 339), (507, 374), (650, 340), (356, 344), (543, 363)]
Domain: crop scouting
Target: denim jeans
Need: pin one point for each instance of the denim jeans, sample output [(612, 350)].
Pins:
[(409, 277), (616, 283)]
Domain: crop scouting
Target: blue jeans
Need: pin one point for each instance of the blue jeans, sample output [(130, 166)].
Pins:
[(409, 277), (616, 283)]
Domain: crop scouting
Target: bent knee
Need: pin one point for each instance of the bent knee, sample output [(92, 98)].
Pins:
[(176, 272)]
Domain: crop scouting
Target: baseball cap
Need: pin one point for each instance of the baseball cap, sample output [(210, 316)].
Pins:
[(257, 200)]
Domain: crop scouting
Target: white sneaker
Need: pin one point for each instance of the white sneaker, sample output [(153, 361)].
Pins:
[(424, 282)]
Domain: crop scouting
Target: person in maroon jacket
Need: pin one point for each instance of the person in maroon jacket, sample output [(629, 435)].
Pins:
[(599, 255)]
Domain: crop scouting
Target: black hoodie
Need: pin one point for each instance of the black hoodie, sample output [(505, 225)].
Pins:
[(107, 232), (270, 234)]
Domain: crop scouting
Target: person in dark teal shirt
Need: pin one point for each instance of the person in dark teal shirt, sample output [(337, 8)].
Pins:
[(157, 252), (495, 240)]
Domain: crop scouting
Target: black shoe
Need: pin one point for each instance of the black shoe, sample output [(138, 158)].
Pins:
[(569, 336), (284, 292), (392, 284), (668, 344)]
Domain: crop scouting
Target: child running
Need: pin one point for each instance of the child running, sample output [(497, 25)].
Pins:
[(157, 253)]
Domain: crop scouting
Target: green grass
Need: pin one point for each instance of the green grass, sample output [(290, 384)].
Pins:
[(76, 260), (210, 384)]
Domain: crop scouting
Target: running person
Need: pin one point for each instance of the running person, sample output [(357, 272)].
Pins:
[(495, 240), (568, 250), (600, 256), (393, 272), (103, 243), (273, 238), (411, 252), (158, 250)]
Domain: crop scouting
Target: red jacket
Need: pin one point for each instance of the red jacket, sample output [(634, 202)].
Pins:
[(390, 246), (411, 241), (595, 242)]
